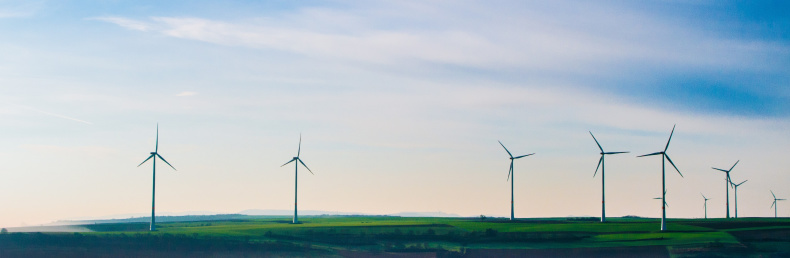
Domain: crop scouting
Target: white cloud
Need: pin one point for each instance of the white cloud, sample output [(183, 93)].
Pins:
[(53, 114), (126, 23), (535, 40), (186, 94)]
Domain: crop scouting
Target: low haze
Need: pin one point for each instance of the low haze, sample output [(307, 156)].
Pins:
[(400, 105)]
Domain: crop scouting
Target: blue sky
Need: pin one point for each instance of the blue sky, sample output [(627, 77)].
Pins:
[(400, 103)]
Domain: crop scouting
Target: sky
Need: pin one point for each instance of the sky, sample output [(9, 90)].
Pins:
[(399, 104)]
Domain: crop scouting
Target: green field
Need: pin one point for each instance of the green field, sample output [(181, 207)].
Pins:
[(353, 236)]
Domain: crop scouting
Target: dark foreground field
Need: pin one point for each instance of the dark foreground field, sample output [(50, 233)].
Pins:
[(413, 237)]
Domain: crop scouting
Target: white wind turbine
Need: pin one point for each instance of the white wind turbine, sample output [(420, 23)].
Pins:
[(297, 161), (510, 176), (155, 155)]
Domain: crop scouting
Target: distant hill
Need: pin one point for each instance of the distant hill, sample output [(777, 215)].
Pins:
[(301, 212), (319, 212), (424, 214), (245, 214), (158, 219)]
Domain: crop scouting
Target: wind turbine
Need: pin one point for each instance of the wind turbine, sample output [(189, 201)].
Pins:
[(509, 176), (727, 185), (705, 205), (296, 173), (659, 198), (602, 165), (735, 186), (155, 155), (775, 205), (663, 179)]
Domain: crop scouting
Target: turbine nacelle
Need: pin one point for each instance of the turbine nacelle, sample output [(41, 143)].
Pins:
[(728, 170), (512, 159), (603, 153), (297, 159)]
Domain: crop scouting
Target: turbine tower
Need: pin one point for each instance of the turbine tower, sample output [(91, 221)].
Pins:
[(510, 174), (705, 205), (775, 205), (296, 175), (727, 185), (735, 186), (602, 165), (664, 156), (155, 155)]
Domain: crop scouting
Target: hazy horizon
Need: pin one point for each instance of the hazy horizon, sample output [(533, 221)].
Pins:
[(400, 105)]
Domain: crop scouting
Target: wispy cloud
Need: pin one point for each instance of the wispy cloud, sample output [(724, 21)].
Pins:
[(90, 150), (124, 22), (53, 114), (534, 41), (186, 94)]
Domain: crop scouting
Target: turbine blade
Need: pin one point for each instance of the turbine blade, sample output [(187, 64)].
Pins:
[(305, 166), (156, 149), (703, 196), (524, 156), (599, 165), (772, 193), (616, 152), (670, 138), (300, 146), (733, 166), (780, 199), (744, 181), (673, 165), (510, 170), (596, 141), (168, 163), (651, 154), (772, 204), (149, 157), (722, 170), (286, 163), (503, 146)]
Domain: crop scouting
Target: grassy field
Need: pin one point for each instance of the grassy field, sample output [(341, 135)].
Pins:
[(430, 237)]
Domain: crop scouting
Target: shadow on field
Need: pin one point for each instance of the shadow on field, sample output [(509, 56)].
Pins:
[(640, 251), (145, 245)]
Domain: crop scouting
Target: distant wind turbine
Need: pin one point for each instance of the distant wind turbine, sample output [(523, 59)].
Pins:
[(155, 155), (296, 175), (602, 165), (659, 198), (727, 185), (775, 205), (705, 205), (664, 156), (735, 186), (511, 174)]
